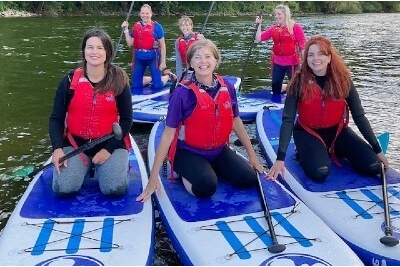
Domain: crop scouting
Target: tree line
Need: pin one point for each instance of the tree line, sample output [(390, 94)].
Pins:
[(167, 8)]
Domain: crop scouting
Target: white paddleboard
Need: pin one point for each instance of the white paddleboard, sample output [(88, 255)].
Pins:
[(350, 203), (87, 229), (229, 228)]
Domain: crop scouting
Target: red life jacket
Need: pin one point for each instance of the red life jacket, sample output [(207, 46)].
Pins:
[(183, 46), (216, 116), (284, 42), (144, 36), (323, 113), (90, 114), (210, 123)]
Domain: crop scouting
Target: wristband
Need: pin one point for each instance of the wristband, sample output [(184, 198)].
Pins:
[(126, 31)]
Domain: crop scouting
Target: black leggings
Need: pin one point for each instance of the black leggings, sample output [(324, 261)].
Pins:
[(203, 174), (313, 156)]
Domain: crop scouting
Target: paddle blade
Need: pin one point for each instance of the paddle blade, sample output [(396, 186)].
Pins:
[(389, 241), (23, 172), (383, 140)]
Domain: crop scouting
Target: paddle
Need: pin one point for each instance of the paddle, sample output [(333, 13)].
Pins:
[(122, 32), (117, 133), (275, 247), (208, 15), (173, 85), (388, 240), (251, 48)]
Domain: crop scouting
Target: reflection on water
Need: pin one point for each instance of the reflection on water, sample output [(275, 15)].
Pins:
[(36, 52)]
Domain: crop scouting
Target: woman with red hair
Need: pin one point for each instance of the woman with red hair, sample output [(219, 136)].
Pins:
[(323, 95)]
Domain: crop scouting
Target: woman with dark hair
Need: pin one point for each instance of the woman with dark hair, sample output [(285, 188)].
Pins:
[(323, 94), (87, 102)]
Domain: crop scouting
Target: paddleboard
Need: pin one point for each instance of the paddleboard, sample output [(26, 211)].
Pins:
[(350, 203), (147, 92), (229, 228), (152, 110), (86, 229)]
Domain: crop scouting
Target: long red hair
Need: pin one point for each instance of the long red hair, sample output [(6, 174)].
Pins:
[(337, 75)]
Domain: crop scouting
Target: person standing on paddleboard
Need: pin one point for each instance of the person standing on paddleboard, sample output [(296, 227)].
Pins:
[(202, 113), (323, 95), (288, 45), (88, 101), (149, 49), (183, 42)]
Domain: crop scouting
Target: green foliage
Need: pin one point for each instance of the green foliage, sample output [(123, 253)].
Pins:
[(166, 8)]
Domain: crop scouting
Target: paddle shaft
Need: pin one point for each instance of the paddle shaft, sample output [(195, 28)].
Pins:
[(80, 149), (122, 31), (208, 15), (388, 228), (267, 214), (251, 48)]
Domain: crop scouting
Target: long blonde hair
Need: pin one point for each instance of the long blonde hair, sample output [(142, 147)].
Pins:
[(288, 20)]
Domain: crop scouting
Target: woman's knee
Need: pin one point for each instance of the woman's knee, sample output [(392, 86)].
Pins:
[(319, 175), (372, 169), (205, 189)]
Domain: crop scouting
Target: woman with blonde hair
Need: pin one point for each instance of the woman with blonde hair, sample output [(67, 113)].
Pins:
[(288, 45), (323, 94), (202, 113)]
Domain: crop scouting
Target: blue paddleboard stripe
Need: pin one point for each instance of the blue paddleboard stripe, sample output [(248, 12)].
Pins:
[(75, 237), (394, 192), (292, 231), (378, 200), (233, 240), (259, 230), (354, 205), (43, 238), (107, 235)]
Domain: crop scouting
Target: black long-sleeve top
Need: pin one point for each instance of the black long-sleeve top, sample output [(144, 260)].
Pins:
[(62, 100), (356, 109)]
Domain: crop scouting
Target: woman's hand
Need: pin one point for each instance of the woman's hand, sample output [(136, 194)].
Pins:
[(256, 164), (125, 25), (57, 154), (278, 167), (383, 159), (153, 185), (101, 157)]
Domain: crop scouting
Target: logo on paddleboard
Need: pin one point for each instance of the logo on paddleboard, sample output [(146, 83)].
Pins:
[(71, 260), (295, 259)]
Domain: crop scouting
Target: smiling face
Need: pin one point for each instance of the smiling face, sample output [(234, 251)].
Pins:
[(203, 62), (95, 53), (318, 60), (186, 28), (280, 17), (145, 14)]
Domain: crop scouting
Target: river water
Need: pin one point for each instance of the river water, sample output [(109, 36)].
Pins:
[(36, 52)]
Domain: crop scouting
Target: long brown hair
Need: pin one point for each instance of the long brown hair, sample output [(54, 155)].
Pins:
[(115, 78), (337, 75)]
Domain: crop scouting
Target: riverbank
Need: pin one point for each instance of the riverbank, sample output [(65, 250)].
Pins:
[(9, 13)]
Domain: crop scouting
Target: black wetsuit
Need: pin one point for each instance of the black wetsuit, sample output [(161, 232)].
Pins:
[(313, 155)]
